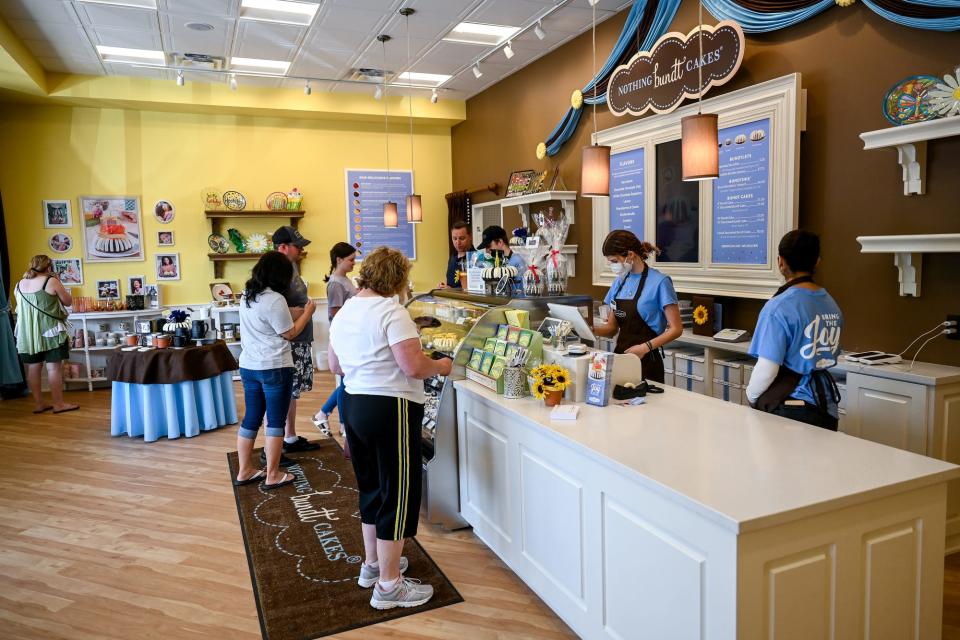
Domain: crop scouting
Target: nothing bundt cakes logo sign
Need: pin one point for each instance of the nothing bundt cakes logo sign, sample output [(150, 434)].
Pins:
[(660, 79)]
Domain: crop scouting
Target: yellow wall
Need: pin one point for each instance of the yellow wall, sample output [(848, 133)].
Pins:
[(64, 152)]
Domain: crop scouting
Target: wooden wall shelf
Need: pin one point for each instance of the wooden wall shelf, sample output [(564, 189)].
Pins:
[(216, 217), (218, 260)]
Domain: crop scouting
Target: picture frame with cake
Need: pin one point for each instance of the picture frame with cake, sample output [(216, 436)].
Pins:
[(112, 230)]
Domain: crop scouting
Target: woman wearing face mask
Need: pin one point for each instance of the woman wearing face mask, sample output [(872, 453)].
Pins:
[(645, 314)]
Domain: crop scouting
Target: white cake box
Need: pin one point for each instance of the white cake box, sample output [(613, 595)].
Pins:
[(728, 391), (689, 382), (669, 355), (668, 378), (692, 363), (729, 370)]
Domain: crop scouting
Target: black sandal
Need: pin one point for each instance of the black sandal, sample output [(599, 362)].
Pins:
[(283, 483)]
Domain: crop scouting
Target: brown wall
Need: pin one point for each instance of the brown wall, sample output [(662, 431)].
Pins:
[(848, 57)]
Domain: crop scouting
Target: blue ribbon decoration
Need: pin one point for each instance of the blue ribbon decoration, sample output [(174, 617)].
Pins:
[(931, 24), (760, 22)]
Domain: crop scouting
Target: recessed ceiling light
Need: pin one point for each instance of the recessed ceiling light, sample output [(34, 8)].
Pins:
[(140, 4), (255, 64), (199, 26), (476, 33), (131, 56), (408, 78), (278, 11)]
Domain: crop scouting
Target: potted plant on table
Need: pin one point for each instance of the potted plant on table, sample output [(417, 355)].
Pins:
[(549, 383)]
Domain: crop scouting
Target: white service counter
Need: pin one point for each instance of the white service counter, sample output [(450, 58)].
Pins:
[(690, 517)]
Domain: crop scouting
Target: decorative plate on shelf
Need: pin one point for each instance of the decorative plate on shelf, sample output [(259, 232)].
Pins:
[(234, 201), (277, 201), (908, 101), (211, 199), (218, 244), (257, 243)]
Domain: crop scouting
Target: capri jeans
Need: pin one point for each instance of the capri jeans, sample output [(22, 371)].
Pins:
[(266, 392)]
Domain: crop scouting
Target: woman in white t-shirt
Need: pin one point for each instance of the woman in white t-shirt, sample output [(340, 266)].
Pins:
[(339, 289), (266, 366), (375, 346)]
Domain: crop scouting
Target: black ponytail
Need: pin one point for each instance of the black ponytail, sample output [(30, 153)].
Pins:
[(274, 271), (341, 250)]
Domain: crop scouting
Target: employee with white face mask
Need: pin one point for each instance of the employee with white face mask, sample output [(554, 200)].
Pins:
[(796, 340), (645, 313)]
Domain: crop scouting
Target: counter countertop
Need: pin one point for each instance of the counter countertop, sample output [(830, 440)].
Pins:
[(739, 467)]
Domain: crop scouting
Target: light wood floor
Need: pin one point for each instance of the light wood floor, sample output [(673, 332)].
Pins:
[(114, 538)]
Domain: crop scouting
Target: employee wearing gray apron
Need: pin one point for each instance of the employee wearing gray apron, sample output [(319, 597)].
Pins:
[(645, 314)]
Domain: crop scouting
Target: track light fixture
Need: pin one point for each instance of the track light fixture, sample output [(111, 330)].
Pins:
[(180, 80), (434, 97), (476, 71), (233, 82), (539, 32), (306, 89), (508, 50), (378, 93)]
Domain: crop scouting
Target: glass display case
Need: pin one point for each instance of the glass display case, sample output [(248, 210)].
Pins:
[(454, 323)]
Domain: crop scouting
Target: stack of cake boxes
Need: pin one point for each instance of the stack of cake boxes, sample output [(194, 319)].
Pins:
[(686, 368)]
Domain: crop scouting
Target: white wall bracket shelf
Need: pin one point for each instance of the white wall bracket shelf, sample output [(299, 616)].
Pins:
[(908, 254), (910, 141)]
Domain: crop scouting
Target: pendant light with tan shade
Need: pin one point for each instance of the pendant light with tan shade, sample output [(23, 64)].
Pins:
[(414, 202), (595, 161), (390, 216), (698, 134)]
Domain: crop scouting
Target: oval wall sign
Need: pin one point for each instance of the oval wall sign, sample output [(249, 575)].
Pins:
[(660, 79)]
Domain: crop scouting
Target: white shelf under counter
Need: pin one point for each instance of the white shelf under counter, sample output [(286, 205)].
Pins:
[(694, 517), (910, 141)]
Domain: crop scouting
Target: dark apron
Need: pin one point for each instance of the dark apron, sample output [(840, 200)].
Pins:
[(634, 330), (774, 399)]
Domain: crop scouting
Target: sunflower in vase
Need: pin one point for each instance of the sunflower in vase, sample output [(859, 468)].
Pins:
[(549, 383)]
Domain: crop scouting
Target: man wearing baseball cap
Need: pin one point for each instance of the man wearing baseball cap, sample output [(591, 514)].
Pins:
[(291, 243)]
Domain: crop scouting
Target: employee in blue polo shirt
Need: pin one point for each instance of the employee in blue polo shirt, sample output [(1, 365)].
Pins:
[(645, 311), (797, 340)]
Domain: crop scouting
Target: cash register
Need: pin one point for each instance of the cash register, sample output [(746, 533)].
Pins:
[(626, 367)]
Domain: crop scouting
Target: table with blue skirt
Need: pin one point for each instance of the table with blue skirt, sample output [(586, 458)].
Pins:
[(171, 392)]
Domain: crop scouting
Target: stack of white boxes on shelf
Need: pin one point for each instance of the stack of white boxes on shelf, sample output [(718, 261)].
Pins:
[(728, 379), (690, 370), (747, 372)]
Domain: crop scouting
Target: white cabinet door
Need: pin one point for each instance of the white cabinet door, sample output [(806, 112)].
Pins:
[(887, 411)]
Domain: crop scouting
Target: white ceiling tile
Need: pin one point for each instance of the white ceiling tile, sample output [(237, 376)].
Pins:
[(514, 13), (571, 19), (60, 11), (184, 40), (447, 57), (141, 72), (339, 17), (383, 6), (61, 49), (221, 8), (70, 66), (256, 81), (104, 15), (453, 9), (323, 64), (529, 40), (30, 30), (396, 51), (321, 38), (612, 6), (424, 27), (127, 38), (267, 40)]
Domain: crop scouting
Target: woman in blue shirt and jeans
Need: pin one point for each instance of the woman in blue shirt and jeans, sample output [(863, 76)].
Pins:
[(266, 366)]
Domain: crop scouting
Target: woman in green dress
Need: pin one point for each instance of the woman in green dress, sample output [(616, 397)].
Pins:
[(42, 336)]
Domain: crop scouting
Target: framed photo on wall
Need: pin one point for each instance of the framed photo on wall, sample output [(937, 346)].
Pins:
[(69, 270), (164, 211), (167, 266), (112, 230), (135, 285), (108, 289), (60, 243), (165, 239), (519, 182), (56, 214)]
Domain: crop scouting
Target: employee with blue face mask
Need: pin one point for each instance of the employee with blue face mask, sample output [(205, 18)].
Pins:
[(645, 312), (797, 340)]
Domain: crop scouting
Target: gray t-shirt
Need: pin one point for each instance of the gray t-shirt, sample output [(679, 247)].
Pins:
[(297, 297), (339, 290), (261, 327)]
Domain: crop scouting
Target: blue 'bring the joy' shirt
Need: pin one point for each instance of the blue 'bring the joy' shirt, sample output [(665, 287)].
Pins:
[(657, 294), (799, 329)]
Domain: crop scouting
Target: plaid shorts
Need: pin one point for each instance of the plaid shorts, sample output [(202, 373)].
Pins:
[(302, 367)]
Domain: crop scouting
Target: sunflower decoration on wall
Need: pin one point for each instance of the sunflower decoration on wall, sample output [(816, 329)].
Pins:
[(547, 378), (701, 315)]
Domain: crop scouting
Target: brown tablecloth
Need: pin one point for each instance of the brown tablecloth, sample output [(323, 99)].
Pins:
[(169, 366)]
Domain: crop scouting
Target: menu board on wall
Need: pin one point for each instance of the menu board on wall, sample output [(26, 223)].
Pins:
[(741, 203), (626, 191), (367, 191)]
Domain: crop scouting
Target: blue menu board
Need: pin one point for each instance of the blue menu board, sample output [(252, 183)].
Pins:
[(741, 202), (367, 191), (626, 191)]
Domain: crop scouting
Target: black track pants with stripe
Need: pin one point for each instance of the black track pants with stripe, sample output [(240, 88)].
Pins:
[(384, 437)]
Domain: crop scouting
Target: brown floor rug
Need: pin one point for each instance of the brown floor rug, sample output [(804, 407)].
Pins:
[(304, 548)]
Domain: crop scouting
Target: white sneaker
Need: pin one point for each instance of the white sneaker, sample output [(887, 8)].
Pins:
[(369, 575), (406, 593), (322, 424)]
